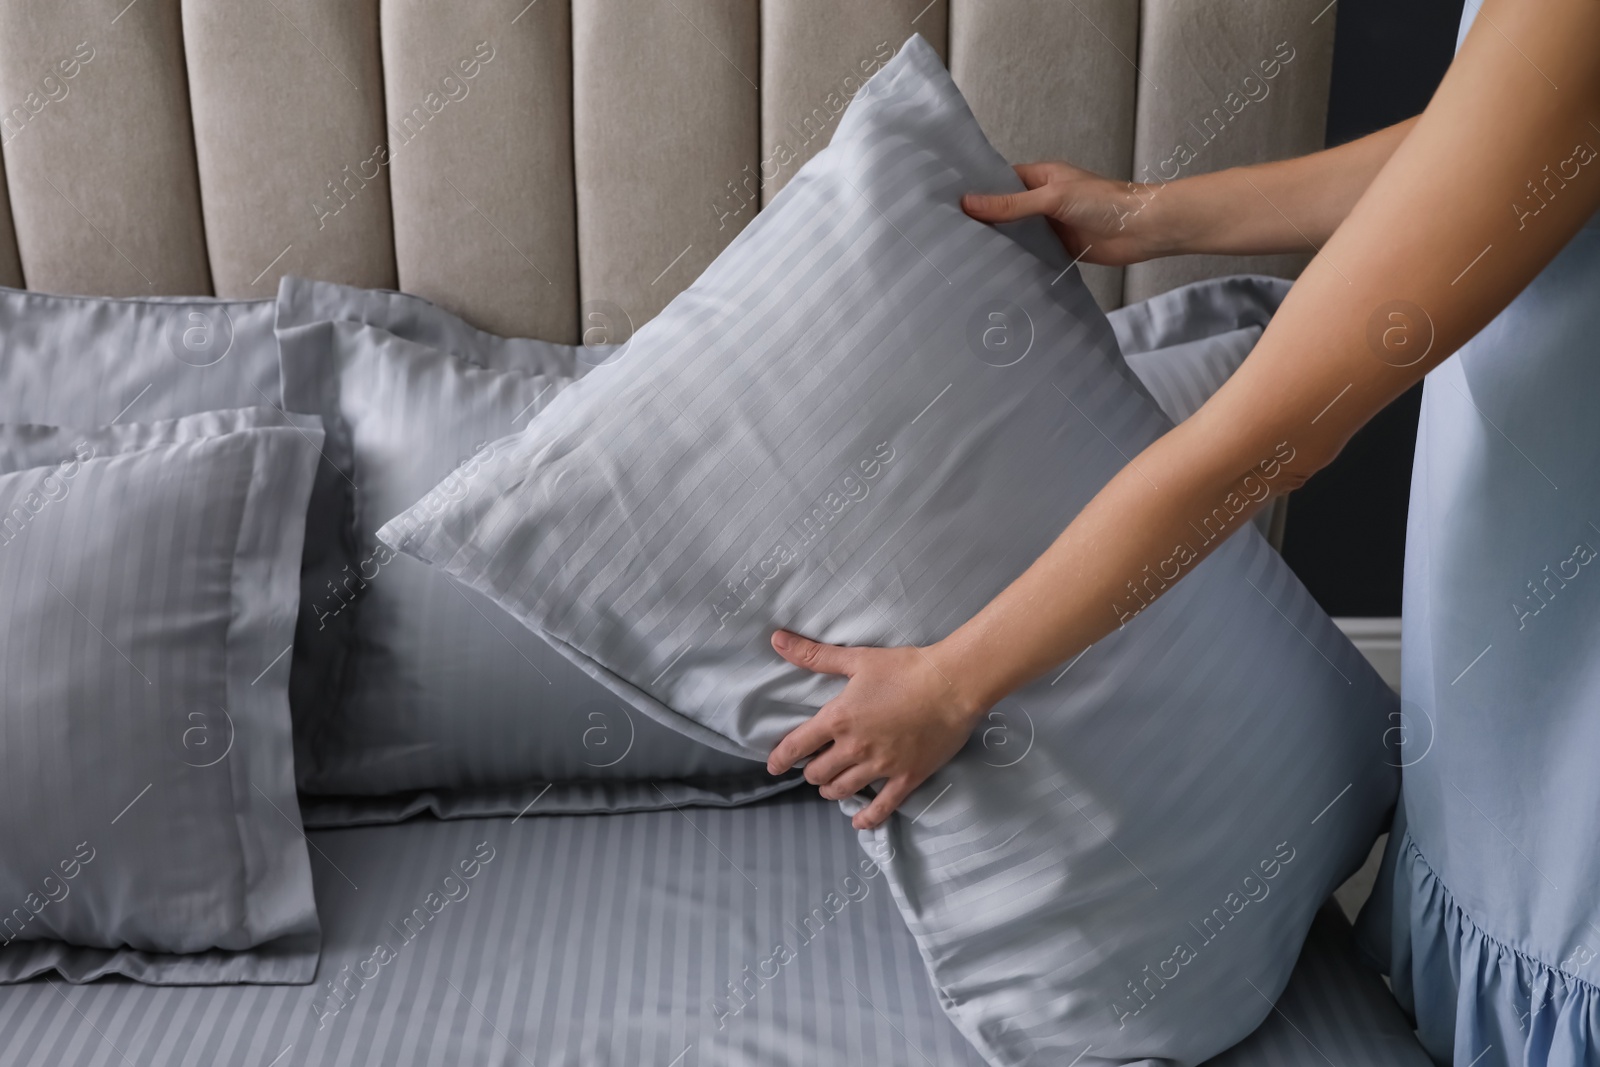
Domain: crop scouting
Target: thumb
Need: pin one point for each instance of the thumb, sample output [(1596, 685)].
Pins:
[(1006, 207), (812, 655)]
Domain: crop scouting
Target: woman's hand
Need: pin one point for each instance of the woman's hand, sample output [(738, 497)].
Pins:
[(899, 718), (1099, 220), (1291, 205)]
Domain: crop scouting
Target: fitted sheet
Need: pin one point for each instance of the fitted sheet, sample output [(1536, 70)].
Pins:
[(611, 940)]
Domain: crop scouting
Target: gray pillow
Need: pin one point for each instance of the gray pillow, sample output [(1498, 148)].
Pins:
[(302, 301), (89, 361), (1123, 864), (443, 702), (1184, 343), (150, 576)]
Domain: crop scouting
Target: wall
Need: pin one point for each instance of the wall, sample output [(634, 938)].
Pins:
[(1346, 529)]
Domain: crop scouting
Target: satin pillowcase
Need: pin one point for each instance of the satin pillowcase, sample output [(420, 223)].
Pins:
[(1124, 861), (441, 700), (149, 825), (1184, 343), (89, 361)]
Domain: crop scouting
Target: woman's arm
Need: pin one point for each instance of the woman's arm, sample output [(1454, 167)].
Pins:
[(1292, 205), (1433, 249)]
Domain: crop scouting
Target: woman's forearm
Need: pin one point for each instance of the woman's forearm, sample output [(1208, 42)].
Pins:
[(1144, 531), (1432, 250), (1290, 205)]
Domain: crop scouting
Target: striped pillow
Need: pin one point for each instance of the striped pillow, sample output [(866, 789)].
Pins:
[(1184, 343), (149, 825), (443, 702), (825, 433)]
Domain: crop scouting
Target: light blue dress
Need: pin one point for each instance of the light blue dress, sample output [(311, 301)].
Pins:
[(1487, 911)]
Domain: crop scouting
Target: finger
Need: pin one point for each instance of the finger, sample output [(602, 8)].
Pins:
[(1034, 175), (889, 798), (813, 655), (801, 742), (1006, 207), (827, 765), (849, 782)]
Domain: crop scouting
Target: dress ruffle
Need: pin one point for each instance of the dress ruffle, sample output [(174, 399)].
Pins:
[(1476, 1000)]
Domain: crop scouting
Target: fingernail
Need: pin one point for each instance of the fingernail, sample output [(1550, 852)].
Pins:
[(975, 201), (781, 641)]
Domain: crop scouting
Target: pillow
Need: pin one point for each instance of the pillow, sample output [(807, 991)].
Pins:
[(89, 361), (1124, 864), (149, 826), (302, 301), (1184, 343), (443, 702)]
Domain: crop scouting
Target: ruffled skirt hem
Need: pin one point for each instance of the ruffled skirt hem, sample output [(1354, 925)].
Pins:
[(1476, 1000)]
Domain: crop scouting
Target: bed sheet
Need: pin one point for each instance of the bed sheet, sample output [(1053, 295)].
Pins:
[(698, 937)]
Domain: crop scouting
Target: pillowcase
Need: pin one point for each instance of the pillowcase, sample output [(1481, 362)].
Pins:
[(89, 361), (442, 701), (1123, 864), (302, 301), (148, 826), (1184, 343)]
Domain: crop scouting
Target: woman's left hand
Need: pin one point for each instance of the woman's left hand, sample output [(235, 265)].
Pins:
[(899, 718)]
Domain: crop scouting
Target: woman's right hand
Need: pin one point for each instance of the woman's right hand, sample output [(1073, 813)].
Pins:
[(1099, 220)]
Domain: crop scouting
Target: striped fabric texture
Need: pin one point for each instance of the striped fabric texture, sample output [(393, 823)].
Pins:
[(439, 690), (865, 419), (150, 574), (90, 361), (1335, 1012), (754, 936), (702, 938), (302, 301), (1184, 343)]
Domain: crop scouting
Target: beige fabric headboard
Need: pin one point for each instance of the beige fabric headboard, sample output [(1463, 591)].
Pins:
[(546, 168)]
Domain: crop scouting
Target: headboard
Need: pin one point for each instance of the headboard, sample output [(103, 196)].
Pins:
[(546, 168)]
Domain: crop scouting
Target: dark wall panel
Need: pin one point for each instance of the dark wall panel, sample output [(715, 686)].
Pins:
[(1346, 531)]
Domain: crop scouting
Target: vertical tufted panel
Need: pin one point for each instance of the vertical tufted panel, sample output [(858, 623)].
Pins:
[(479, 101), (1235, 81), (603, 155), (10, 265), (98, 154), (1029, 68), (287, 97), (815, 54), (665, 114)]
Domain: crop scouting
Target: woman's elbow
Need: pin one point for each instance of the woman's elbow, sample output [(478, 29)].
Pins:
[(1296, 462)]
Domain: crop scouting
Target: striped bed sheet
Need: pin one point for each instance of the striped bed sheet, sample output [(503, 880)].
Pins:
[(679, 938)]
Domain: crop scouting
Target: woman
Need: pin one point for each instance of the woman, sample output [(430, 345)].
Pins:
[(1488, 907)]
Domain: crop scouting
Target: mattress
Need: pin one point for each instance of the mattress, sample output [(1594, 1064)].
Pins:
[(678, 938)]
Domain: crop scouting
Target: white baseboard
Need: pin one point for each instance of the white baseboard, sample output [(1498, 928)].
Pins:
[(1378, 640)]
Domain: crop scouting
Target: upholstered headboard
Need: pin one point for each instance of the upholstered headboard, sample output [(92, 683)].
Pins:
[(548, 167)]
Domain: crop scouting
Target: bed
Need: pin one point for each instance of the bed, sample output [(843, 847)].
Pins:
[(676, 938), (603, 154)]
